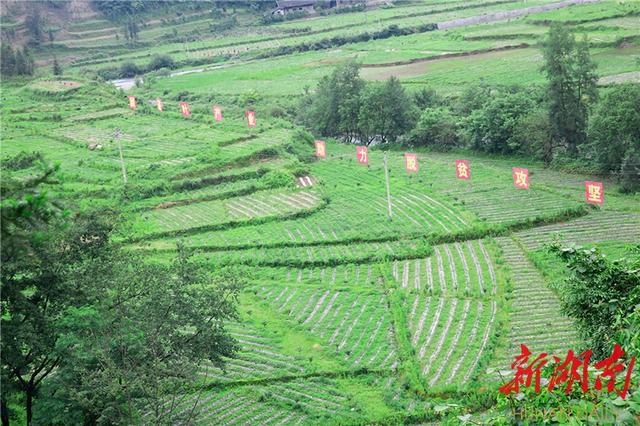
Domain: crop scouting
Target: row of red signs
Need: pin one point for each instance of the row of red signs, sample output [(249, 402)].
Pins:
[(186, 112), (594, 191)]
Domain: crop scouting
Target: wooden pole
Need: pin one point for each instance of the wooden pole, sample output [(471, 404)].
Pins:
[(386, 176), (116, 135)]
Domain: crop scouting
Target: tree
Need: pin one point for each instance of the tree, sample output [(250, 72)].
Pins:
[(492, 127), (129, 69), (334, 107), (385, 112), (7, 60), (571, 86), (426, 98), (436, 127), (34, 23), (161, 61), (142, 343), (57, 69), (77, 304), (614, 141), (533, 135), (596, 291), (50, 32)]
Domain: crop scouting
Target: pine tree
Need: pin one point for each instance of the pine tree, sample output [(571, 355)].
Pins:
[(21, 63)]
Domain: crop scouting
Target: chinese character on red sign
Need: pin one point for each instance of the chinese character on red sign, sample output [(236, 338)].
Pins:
[(572, 369), (159, 105), (321, 150), (520, 178), (132, 102), (411, 162), (594, 192), (362, 154), (462, 169), (251, 118), (217, 113), (184, 108)]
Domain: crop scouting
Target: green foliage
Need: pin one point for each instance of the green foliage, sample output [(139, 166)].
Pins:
[(437, 127), (492, 127), (18, 62), (571, 88), (597, 290), (161, 61), (614, 141), (385, 112), (129, 69), (275, 179)]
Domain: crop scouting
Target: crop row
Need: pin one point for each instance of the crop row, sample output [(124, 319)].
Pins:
[(536, 320), (460, 268), (356, 325), (259, 357), (600, 226), (449, 336), (239, 208)]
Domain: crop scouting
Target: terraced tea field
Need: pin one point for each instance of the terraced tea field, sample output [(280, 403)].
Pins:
[(356, 307)]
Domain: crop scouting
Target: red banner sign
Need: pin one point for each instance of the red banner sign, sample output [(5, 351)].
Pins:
[(411, 162), (217, 113), (363, 154), (520, 178), (132, 102), (321, 149), (462, 169), (184, 108), (159, 105), (251, 118), (594, 192)]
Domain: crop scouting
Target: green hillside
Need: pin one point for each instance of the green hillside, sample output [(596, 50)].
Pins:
[(356, 307)]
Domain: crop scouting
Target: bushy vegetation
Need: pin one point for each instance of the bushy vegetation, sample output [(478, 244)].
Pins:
[(550, 123), (16, 62)]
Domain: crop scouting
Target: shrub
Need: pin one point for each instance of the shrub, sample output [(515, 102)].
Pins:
[(129, 69)]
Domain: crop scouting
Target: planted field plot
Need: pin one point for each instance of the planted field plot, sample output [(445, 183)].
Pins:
[(259, 357), (535, 318), (211, 213), (356, 325), (449, 336), (344, 274), (596, 227), (507, 204), (460, 269), (291, 403)]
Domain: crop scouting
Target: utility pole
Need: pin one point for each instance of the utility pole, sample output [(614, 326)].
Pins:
[(116, 135), (386, 176)]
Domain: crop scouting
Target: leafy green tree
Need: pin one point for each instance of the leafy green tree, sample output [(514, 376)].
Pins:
[(614, 135), (129, 69), (334, 107), (427, 98), (436, 127), (161, 61), (533, 135), (571, 85), (141, 342), (597, 291), (386, 112), (492, 127)]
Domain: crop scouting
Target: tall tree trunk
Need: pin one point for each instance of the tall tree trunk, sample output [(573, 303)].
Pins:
[(29, 405), (4, 412)]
